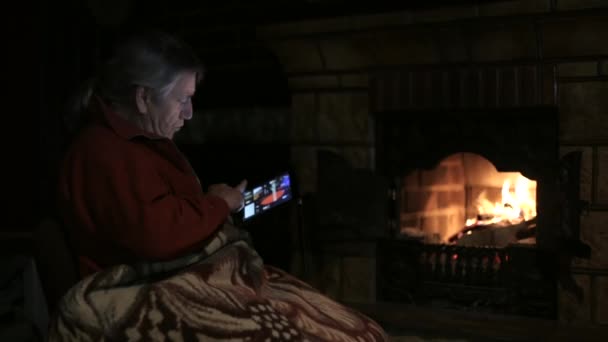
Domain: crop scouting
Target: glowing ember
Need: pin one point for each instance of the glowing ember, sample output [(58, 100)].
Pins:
[(517, 205)]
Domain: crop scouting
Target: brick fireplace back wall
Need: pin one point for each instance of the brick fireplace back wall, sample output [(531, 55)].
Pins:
[(526, 52)]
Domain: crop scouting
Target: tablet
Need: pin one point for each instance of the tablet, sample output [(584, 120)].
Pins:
[(266, 196)]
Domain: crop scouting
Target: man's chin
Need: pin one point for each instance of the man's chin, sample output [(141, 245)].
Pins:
[(174, 133)]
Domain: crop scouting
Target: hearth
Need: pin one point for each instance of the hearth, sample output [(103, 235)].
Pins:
[(481, 209)]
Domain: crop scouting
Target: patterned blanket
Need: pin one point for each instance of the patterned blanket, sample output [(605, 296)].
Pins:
[(222, 293)]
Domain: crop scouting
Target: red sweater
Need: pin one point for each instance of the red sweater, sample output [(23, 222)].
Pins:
[(128, 195)]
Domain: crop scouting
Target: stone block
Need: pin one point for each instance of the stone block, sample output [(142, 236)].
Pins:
[(437, 176), (416, 201), (594, 232), (571, 310), (339, 24), (429, 201), (331, 276), (354, 80), (359, 278), (456, 175), (444, 14), (458, 199), (348, 52), (579, 69), (358, 157), (443, 199), (602, 175), (508, 92), (549, 85), (601, 300), (583, 109), (407, 46), (304, 160), (274, 31), (489, 94), (514, 7), (575, 37), (344, 117), (503, 42), (209, 41), (298, 55), (529, 94), (452, 42), (291, 29), (586, 169), (304, 118), (312, 82), (381, 20), (565, 5), (321, 25), (430, 224)]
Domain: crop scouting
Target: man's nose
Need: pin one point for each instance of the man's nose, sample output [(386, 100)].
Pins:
[(187, 112)]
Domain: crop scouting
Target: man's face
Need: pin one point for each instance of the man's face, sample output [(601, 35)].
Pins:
[(167, 115)]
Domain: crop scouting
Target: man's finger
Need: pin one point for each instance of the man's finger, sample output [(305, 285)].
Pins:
[(242, 185)]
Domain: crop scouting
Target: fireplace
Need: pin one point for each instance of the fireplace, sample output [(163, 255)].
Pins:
[(481, 208)]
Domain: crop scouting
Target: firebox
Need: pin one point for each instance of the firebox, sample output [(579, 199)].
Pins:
[(481, 209), (465, 201)]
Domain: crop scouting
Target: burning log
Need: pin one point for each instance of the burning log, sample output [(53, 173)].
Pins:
[(499, 223), (496, 234)]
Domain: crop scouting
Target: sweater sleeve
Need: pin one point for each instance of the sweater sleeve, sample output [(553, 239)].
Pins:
[(138, 209)]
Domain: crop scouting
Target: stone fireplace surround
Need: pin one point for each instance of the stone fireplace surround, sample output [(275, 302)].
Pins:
[(551, 50)]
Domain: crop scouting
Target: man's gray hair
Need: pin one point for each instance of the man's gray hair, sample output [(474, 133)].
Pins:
[(153, 60)]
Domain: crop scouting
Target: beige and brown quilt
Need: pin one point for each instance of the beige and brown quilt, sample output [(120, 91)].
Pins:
[(222, 293)]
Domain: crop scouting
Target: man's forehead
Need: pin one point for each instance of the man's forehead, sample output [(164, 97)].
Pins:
[(186, 83)]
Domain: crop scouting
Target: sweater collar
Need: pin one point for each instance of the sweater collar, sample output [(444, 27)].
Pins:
[(121, 126)]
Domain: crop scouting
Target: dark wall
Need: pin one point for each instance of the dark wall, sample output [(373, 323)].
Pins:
[(20, 105), (70, 43)]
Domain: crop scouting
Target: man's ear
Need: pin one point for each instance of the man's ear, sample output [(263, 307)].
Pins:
[(142, 99)]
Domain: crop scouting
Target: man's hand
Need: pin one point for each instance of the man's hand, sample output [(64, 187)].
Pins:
[(232, 196)]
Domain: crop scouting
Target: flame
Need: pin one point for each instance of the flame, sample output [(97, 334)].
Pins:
[(517, 205)]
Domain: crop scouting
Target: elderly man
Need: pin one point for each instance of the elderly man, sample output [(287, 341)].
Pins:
[(158, 256)]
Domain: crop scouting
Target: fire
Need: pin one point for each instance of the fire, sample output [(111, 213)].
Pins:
[(518, 204)]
